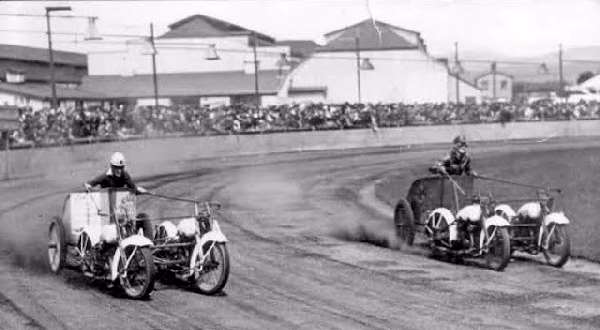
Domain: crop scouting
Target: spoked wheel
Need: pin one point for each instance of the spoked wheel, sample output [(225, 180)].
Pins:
[(213, 276), (438, 228), (84, 247), (556, 245), (498, 254), (137, 280), (404, 222), (56, 245)]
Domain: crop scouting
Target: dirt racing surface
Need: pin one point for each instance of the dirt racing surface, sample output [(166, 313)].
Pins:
[(310, 248)]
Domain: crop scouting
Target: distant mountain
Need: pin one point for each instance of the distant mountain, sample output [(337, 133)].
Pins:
[(529, 69)]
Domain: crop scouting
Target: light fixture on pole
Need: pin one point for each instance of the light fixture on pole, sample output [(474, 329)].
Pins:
[(92, 30), (366, 64), (54, 102), (211, 53)]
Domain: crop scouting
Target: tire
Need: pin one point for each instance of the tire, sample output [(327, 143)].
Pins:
[(143, 221), (404, 222), (57, 247), (218, 260), (559, 245), (498, 254), (139, 282)]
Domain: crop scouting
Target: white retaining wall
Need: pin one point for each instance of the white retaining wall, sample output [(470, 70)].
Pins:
[(151, 155)]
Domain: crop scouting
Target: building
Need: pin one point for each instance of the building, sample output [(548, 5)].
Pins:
[(25, 76), (495, 86), (200, 59), (372, 61)]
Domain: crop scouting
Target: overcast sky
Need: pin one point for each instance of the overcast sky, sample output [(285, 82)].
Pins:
[(515, 28)]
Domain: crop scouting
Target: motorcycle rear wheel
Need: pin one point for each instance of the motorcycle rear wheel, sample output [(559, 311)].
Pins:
[(139, 282), (498, 254)]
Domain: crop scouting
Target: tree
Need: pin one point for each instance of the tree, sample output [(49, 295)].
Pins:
[(584, 76)]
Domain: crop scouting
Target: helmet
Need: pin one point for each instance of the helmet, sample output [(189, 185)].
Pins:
[(117, 159), (460, 140)]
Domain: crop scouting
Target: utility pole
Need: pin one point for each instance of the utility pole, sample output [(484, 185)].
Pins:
[(256, 94), (457, 67), (560, 72), (357, 44), (54, 102), (494, 81), (154, 79)]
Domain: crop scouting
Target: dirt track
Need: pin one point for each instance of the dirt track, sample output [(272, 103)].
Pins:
[(293, 221)]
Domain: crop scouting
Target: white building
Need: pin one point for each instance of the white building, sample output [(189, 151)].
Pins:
[(201, 59), (389, 63), (495, 86)]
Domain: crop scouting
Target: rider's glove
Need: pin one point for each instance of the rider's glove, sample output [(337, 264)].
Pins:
[(87, 186), (142, 190)]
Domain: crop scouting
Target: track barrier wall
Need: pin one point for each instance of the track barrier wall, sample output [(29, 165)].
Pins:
[(151, 155)]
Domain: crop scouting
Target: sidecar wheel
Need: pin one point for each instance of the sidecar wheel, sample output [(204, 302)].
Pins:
[(56, 245), (404, 222)]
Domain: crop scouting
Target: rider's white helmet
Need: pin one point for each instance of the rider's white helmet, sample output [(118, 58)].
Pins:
[(117, 159)]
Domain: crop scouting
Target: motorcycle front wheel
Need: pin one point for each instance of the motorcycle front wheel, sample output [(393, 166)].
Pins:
[(211, 275), (556, 245)]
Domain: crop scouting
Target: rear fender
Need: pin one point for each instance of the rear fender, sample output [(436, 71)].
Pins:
[(497, 221), (558, 218), (134, 240), (137, 240)]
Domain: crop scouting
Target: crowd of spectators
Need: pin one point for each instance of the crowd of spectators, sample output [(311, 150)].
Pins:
[(68, 125)]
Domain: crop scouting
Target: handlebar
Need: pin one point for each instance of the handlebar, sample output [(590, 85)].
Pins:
[(211, 204), (551, 189)]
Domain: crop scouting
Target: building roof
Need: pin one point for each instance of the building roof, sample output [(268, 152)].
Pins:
[(183, 84), (489, 73), (299, 48), (44, 92), (23, 53), (378, 36), (37, 72), (465, 78), (203, 26)]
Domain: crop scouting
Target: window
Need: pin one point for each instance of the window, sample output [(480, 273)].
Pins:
[(483, 84), (503, 84)]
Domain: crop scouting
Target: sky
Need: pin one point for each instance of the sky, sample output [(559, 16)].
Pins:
[(500, 27)]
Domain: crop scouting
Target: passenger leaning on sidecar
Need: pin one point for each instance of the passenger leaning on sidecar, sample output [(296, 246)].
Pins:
[(457, 162), (117, 177)]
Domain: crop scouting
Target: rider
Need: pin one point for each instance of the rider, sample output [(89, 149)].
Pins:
[(115, 177), (457, 162)]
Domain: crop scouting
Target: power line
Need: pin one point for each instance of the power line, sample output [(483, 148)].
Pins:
[(190, 45), (41, 15)]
